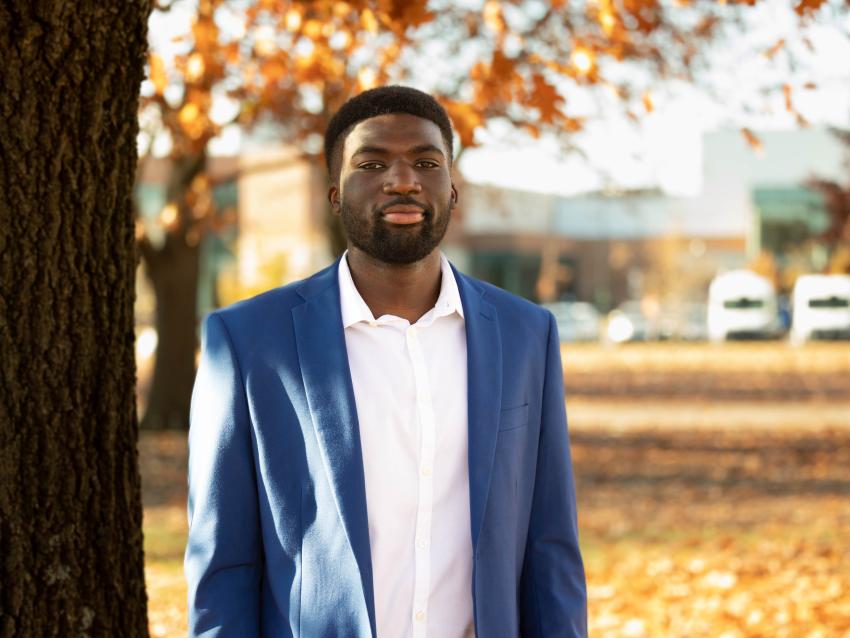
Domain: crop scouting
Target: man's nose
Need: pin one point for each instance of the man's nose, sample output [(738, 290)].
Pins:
[(401, 180)]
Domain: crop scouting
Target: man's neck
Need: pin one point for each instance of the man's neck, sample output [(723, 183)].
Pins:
[(402, 290)]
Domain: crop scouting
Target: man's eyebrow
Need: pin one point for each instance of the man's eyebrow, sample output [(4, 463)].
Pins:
[(426, 148), (422, 148), (369, 149)]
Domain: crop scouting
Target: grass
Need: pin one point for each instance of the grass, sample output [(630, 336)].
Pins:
[(163, 463)]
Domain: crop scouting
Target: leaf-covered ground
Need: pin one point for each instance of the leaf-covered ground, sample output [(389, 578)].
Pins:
[(704, 513)]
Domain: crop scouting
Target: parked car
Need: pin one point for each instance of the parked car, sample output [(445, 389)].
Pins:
[(742, 305), (821, 308), (577, 320)]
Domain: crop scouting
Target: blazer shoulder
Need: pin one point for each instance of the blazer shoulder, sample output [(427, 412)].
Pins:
[(276, 298), (277, 302)]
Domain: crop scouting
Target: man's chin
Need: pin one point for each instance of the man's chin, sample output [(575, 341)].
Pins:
[(398, 254), (402, 259)]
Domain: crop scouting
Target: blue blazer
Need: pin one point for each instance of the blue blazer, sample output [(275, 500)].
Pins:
[(278, 532)]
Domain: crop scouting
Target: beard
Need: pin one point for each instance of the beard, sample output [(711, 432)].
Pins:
[(394, 244)]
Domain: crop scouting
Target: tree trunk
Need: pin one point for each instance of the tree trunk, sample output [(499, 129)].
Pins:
[(173, 270), (71, 561)]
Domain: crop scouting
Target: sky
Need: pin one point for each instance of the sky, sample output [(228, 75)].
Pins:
[(664, 149)]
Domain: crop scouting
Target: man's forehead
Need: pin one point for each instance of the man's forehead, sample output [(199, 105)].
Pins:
[(394, 128)]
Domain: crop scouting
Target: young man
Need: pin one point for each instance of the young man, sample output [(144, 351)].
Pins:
[(381, 449)]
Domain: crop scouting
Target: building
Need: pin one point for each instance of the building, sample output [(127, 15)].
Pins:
[(609, 247), (600, 247), (605, 248)]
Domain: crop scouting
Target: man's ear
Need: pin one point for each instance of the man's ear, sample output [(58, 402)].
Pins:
[(454, 197), (333, 198)]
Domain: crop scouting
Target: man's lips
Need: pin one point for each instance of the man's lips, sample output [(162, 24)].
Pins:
[(403, 214)]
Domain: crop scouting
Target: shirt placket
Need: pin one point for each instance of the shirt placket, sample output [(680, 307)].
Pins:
[(422, 550)]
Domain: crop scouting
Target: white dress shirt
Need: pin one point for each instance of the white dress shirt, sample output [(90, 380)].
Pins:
[(411, 396)]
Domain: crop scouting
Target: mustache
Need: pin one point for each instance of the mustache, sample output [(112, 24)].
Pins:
[(405, 201)]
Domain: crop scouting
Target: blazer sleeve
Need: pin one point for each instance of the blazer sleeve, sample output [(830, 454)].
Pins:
[(223, 561), (552, 587)]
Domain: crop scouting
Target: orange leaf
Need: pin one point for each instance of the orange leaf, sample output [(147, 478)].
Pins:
[(752, 140), (366, 78), (532, 130), (205, 32), (607, 21), (401, 14), (312, 29), (582, 60), (231, 52), (273, 70), (157, 73), (805, 7), (492, 15), (545, 98), (502, 66), (368, 21), (775, 48), (292, 19), (465, 119), (786, 91), (195, 67)]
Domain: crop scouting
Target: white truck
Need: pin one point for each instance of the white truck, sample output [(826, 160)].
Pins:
[(742, 305), (821, 307)]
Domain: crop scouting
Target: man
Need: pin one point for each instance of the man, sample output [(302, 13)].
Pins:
[(381, 449)]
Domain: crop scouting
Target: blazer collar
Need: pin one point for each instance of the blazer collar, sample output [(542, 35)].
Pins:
[(323, 358), (484, 393)]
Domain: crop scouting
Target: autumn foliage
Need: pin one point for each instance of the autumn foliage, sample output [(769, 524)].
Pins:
[(296, 62)]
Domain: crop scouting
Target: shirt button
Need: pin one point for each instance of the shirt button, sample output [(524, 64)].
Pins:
[(422, 543), (420, 616), (426, 471)]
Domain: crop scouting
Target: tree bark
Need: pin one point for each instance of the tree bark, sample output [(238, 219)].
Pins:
[(71, 559)]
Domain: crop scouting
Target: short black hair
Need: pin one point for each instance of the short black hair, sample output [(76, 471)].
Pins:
[(382, 100)]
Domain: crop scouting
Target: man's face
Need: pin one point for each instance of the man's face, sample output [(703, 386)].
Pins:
[(395, 192)]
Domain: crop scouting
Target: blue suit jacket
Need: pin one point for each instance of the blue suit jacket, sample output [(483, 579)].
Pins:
[(278, 538)]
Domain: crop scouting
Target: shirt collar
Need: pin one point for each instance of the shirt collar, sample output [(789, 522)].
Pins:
[(354, 309)]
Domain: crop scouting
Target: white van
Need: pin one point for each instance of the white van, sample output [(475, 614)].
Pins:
[(821, 306), (742, 304)]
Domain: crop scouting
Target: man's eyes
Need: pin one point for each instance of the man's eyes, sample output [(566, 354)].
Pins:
[(420, 163)]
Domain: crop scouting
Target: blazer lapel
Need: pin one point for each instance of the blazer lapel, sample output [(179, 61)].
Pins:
[(327, 381), (484, 393)]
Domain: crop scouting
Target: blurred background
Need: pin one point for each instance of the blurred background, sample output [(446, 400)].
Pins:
[(670, 179)]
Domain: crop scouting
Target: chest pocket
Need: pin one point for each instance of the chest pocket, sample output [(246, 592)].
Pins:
[(513, 418)]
